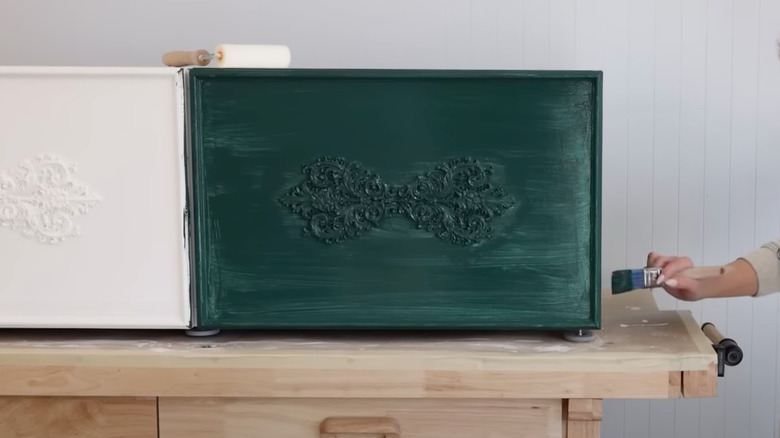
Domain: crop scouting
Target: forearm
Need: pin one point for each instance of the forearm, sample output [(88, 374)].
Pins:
[(737, 279)]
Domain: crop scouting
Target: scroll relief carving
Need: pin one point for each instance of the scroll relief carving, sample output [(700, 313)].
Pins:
[(41, 200), (455, 201)]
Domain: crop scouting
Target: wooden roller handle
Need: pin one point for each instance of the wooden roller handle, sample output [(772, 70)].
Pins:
[(183, 58), (335, 427), (727, 349), (712, 333)]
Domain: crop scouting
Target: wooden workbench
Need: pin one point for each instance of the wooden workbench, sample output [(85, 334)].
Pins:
[(303, 385)]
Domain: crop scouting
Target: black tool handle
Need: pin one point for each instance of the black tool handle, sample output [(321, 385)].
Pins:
[(728, 351)]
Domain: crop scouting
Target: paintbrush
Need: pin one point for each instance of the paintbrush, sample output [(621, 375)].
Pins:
[(627, 280)]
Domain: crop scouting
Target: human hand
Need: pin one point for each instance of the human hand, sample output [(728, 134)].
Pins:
[(681, 287)]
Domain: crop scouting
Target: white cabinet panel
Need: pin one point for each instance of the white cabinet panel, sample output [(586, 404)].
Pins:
[(92, 198)]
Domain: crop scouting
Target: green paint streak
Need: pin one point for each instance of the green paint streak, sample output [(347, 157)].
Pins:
[(252, 130), (622, 282)]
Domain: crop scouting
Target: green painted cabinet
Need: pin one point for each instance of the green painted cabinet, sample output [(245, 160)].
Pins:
[(388, 199)]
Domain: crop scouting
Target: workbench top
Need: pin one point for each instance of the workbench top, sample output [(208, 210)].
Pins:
[(640, 352)]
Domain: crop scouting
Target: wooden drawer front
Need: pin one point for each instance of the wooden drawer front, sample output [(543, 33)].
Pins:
[(66, 417), (302, 418)]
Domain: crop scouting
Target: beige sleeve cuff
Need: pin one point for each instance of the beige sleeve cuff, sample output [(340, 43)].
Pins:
[(766, 262)]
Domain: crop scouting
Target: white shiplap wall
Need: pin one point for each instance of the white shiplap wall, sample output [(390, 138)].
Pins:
[(691, 124)]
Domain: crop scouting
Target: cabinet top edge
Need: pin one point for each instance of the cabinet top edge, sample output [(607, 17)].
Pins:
[(304, 72), (377, 73), (86, 70)]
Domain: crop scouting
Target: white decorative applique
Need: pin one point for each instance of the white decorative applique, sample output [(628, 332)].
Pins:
[(40, 199)]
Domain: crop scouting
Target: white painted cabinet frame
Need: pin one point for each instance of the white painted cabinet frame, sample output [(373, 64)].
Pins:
[(93, 229)]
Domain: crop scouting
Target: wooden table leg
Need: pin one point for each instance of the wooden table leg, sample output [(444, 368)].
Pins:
[(583, 418)]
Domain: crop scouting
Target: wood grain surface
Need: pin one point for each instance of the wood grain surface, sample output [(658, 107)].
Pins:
[(69, 417), (302, 418), (640, 353)]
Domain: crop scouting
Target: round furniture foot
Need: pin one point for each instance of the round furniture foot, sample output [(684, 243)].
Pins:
[(579, 335), (199, 332)]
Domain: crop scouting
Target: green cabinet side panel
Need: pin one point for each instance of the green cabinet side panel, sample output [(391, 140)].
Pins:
[(396, 199)]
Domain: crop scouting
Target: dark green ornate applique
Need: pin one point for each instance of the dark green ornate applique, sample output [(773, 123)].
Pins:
[(455, 201)]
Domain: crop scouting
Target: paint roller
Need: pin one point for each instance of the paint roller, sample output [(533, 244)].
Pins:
[(233, 56)]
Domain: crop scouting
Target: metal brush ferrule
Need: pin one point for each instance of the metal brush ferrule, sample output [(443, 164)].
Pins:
[(651, 276), (208, 56)]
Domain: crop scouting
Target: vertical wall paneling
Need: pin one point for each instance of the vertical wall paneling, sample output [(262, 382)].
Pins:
[(741, 225), (563, 34), (693, 74), (457, 30), (536, 34), (615, 164), (509, 38), (666, 158), (692, 134), (641, 114), (588, 45), (666, 132), (717, 179), (484, 33), (764, 356)]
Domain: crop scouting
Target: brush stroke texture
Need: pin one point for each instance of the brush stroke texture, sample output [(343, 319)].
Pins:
[(539, 133)]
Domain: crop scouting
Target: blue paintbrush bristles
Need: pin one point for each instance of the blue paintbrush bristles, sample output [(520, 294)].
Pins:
[(631, 279), (638, 278)]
